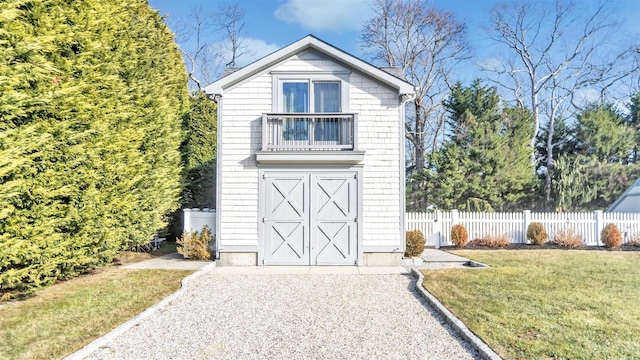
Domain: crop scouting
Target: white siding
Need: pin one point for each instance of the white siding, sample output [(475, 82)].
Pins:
[(378, 109), (378, 134), (241, 138)]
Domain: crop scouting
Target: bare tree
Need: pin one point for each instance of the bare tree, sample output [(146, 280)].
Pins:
[(426, 43), (210, 42), (230, 20), (190, 32), (557, 53)]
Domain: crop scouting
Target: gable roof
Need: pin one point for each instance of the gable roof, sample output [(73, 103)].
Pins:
[(629, 201), (309, 42)]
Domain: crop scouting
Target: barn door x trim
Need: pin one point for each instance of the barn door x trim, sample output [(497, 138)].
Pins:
[(310, 216)]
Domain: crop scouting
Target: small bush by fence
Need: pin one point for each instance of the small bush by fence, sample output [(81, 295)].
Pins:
[(436, 226)]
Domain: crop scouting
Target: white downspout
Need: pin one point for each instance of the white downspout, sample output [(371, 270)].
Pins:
[(218, 99), (405, 99)]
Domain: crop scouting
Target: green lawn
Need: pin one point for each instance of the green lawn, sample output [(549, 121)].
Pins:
[(64, 317), (547, 304)]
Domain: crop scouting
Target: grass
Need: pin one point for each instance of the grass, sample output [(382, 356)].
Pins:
[(547, 304), (64, 317)]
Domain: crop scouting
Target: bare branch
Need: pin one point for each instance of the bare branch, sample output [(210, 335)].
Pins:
[(557, 52), (426, 43)]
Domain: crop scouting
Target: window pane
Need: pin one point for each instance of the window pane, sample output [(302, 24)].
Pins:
[(295, 96), (327, 97)]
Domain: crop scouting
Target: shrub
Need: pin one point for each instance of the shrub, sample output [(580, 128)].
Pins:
[(567, 238), (611, 236), (89, 160), (415, 243), (536, 233), (459, 235), (194, 245), (494, 241)]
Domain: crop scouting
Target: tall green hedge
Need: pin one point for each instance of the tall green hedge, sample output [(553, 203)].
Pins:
[(91, 98), (199, 153)]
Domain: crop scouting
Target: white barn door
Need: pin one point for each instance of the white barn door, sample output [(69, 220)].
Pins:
[(334, 219), (310, 218), (286, 219)]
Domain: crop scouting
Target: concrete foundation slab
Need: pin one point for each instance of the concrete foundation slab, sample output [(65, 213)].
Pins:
[(237, 259), (382, 259)]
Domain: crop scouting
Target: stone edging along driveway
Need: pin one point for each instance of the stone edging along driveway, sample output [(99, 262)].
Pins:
[(483, 349), (103, 340), (455, 324)]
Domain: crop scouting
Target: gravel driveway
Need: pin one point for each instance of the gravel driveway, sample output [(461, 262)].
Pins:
[(221, 316)]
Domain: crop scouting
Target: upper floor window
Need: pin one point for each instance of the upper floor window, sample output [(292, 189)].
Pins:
[(311, 93), (311, 97)]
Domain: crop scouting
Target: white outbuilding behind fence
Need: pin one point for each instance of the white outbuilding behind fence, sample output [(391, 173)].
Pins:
[(436, 226), (195, 219)]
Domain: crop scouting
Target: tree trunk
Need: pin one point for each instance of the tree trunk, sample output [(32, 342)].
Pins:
[(418, 139), (549, 163)]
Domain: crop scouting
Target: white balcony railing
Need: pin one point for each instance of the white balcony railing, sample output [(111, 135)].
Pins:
[(303, 131)]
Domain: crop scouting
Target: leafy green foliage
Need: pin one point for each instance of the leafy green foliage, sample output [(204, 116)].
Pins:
[(584, 184), (536, 233), (414, 243), (199, 152), (485, 163), (91, 98), (611, 236), (603, 135), (633, 122), (564, 141), (195, 245)]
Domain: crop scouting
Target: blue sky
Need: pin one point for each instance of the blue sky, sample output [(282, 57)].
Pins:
[(272, 24)]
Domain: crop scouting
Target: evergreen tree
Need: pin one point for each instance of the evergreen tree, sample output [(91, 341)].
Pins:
[(564, 143), (602, 134), (584, 184), (91, 95), (633, 121), (602, 163), (485, 162), (199, 152)]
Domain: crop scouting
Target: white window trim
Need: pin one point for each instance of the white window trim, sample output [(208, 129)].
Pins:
[(279, 77)]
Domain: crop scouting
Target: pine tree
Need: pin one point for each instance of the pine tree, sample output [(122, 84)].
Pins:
[(485, 162), (582, 183), (633, 122), (91, 95), (601, 133)]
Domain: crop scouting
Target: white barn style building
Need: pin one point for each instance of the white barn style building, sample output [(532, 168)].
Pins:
[(310, 160)]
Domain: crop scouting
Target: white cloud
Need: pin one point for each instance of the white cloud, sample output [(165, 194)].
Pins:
[(325, 15), (492, 64), (256, 49), (586, 96)]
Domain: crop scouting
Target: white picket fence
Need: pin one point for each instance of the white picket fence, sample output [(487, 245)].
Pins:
[(436, 226)]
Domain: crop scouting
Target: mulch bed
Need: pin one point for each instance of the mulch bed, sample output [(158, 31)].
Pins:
[(545, 246)]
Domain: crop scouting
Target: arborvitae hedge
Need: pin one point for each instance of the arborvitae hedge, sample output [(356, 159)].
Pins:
[(199, 152), (91, 98)]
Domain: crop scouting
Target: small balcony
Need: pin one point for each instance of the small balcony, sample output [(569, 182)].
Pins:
[(307, 139), (303, 131)]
